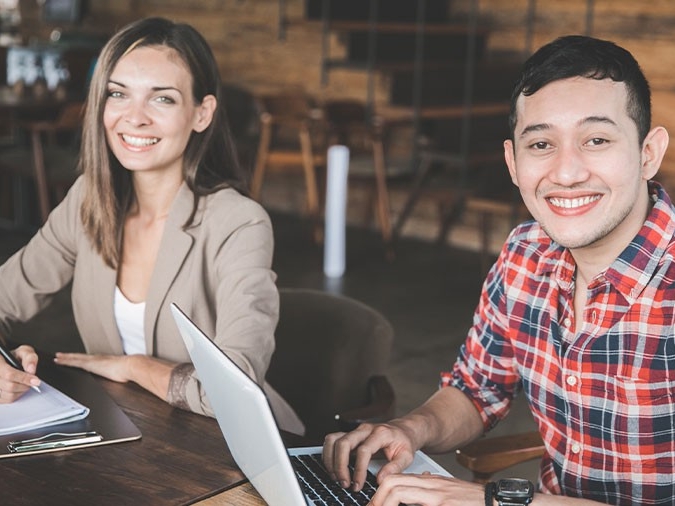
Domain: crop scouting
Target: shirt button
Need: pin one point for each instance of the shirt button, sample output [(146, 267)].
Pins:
[(576, 448), (571, 380), (567, 322)]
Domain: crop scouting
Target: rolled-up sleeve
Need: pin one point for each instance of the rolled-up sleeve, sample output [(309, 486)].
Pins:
[(485, 369)]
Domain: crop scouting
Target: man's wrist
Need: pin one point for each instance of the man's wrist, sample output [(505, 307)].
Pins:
[(512, 492), (410, 424)]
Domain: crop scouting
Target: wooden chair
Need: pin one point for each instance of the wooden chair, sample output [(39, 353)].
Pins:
[(289, 126), (52, 165), (349, 123), (478, 184), (330, 361), (242, 116), (489, 455)]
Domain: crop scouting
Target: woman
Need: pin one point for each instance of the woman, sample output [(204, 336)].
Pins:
[(158, 216)]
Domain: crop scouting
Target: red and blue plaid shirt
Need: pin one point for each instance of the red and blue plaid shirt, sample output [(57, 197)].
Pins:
[(603, 396)]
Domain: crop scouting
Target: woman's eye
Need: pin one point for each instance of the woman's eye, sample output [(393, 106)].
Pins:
[(114, 94), (165, 100)]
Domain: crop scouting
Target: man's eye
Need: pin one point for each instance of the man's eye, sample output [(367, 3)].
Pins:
[(597, 141), (540, 145)]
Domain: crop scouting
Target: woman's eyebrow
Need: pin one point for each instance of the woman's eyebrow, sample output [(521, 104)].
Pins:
[(166, 88)]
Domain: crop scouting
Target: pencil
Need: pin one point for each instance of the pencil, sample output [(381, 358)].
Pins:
[(9, 358)]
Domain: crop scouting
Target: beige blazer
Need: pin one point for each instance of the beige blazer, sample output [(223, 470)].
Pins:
[(218, 271)]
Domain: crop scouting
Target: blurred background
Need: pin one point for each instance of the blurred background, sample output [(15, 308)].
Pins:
[(417, 89)]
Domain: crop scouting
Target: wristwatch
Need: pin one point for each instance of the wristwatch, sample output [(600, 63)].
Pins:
[(512, 491)]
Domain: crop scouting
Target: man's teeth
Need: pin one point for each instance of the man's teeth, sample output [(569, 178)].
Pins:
[(140, 141), (572, 203)]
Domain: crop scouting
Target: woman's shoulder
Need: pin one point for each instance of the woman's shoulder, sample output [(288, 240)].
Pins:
[(228, 205), (77, 189), (71, 203)]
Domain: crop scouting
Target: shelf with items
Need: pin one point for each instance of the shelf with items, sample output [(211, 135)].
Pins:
[(446, 87)]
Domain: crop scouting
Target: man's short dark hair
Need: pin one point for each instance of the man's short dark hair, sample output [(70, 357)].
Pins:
[(581, 56)]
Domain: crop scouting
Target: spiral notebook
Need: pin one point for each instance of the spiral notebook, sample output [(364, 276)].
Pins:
[(73, 411), (35, 410)]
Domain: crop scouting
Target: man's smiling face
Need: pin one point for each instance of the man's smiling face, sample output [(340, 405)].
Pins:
[(577, 161)]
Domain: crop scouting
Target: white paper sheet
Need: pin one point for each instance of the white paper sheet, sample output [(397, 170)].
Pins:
[(34, 410)]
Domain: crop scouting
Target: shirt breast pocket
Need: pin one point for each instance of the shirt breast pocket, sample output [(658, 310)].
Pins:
[(645, 370), (643, 415), (656, 390)]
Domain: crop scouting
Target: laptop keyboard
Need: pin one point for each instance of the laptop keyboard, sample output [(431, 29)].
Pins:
[(318, 486)]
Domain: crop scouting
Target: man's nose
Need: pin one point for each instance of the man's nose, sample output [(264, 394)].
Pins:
[(569, 166)]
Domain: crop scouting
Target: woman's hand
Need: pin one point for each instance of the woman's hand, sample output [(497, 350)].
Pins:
[(13, 382), (151, 373), (112, 367)]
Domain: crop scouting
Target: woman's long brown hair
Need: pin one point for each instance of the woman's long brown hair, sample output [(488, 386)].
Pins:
[(210, 161)]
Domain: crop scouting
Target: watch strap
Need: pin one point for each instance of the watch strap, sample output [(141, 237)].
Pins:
[(489, 493)]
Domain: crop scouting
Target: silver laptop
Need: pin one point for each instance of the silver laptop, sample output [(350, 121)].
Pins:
[(283, 477)]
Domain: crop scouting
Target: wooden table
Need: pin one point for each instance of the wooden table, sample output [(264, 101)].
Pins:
[(182, 458), (243, 494)]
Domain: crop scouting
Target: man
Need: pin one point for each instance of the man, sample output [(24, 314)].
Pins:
[(578, 312)]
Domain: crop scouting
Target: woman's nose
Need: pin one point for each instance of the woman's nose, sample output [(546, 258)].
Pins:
[(136, 114)]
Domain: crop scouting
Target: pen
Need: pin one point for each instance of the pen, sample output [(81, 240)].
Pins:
[(12, 361)]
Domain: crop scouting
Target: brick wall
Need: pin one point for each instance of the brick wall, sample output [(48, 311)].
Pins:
[(244, 35)]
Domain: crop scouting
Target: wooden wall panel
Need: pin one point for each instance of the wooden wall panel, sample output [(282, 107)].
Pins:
[(244, 36)]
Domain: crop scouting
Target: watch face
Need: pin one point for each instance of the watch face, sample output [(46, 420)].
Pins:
[(514, 488)]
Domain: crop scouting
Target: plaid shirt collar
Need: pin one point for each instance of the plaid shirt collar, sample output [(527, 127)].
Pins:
[(635, 266)]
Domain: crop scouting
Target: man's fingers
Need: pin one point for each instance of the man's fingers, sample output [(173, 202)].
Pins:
[(395, 466), (328, 452), (338, 449)]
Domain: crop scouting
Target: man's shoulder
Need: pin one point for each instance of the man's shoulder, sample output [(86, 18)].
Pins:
[(529, 235), (528, 244)]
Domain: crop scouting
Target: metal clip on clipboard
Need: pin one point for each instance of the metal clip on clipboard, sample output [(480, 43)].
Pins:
[(53, 441)]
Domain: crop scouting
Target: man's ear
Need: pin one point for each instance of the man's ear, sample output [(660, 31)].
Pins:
[(653, 150), (205, 113), (510, 158)]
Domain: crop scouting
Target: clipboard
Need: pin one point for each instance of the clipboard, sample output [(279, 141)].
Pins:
[(105, 424)]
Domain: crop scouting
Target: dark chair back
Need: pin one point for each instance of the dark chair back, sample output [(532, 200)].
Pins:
[(329, 349), (242, 115)]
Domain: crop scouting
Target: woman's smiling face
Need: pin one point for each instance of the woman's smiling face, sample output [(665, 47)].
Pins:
[(150, 113)]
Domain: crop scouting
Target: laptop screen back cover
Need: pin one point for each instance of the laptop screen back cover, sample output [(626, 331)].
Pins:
[(245, 418)]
